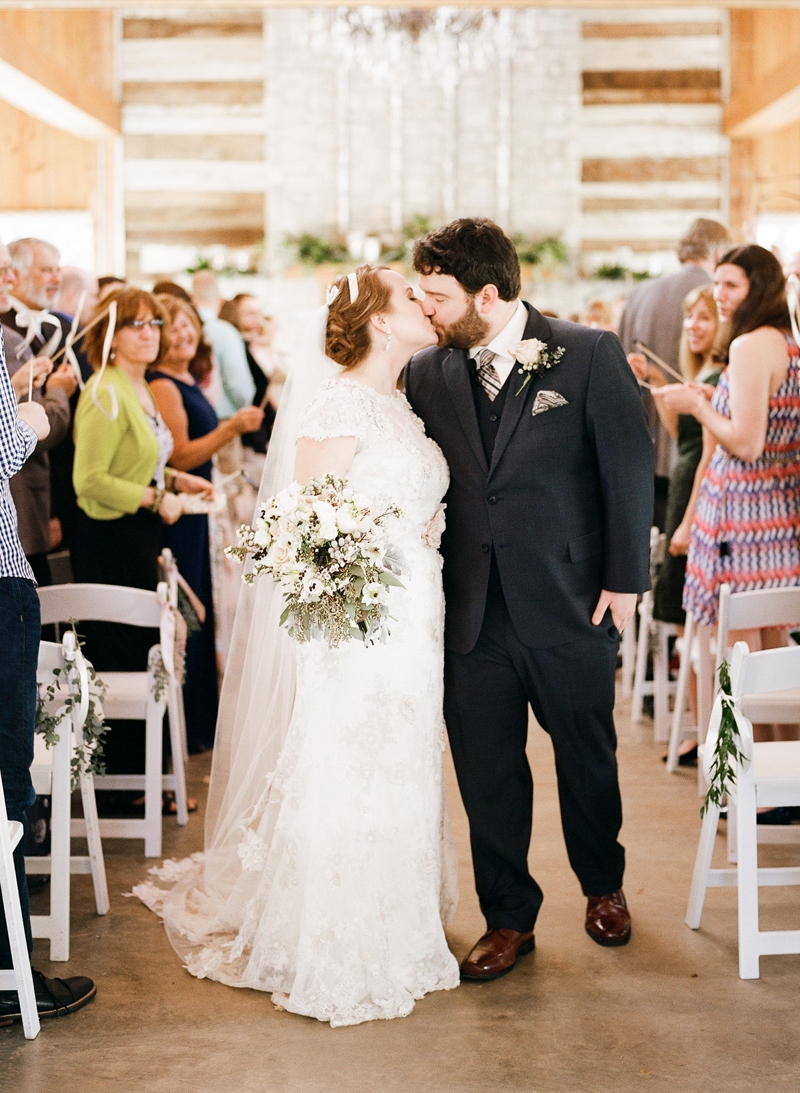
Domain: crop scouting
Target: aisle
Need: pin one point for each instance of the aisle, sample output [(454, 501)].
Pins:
[(667, 1013)]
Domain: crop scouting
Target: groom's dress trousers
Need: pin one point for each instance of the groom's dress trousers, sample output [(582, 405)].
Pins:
[(543, 512)]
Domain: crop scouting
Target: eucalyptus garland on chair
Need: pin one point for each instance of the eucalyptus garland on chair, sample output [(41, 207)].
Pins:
[(88, 754), (727, 748)]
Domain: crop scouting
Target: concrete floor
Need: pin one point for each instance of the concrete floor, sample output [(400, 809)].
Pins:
[(668, 1012)]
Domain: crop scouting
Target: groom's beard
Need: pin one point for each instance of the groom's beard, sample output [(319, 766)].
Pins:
[(465, 332)]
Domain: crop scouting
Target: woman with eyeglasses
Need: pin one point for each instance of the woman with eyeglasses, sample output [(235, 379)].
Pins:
[(125, 490)]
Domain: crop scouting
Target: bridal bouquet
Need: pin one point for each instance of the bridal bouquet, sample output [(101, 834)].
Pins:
[(327, 550)]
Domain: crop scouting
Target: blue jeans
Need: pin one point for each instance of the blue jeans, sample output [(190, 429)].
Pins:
[(20, 629)]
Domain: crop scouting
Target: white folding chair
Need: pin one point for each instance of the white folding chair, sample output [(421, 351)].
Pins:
[(19, 978), (660, 686), (172, 576), (703, 661), (768, 776), (52, 776), (132, 696)]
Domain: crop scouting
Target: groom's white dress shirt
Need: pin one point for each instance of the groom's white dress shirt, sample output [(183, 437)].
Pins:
[(511, 333)]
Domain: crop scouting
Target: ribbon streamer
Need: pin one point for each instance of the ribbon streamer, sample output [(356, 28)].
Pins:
[(654, 357), (31, 321), (112, 324), (69, 353)]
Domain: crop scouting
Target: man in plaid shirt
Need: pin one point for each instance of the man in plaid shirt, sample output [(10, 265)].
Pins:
[(21, 428)]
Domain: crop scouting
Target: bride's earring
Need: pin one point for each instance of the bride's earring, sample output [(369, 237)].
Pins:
[(388, 339)]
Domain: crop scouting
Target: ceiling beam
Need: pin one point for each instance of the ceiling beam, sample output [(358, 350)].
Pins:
[(140, 5), (34, 83), (771, 103)]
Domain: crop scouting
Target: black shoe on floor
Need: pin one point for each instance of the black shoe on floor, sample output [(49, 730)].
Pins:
[(54, 997), (780, 816), (685, 759)]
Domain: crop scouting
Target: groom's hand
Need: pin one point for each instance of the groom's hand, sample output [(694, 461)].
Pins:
[(622, 604)]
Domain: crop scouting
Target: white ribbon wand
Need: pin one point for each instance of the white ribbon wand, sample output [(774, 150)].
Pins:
[(654, 357), (69, 354)]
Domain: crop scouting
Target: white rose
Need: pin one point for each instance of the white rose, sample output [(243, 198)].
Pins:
[(345, 522), (287, 525), (278, 555), (432, 535), (261, 537), (326, 515), (528, 352)]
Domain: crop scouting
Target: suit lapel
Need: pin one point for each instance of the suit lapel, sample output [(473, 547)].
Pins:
[(537, 326), (456, 376)]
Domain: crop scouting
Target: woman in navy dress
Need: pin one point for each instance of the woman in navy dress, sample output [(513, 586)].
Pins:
[(197, 435)]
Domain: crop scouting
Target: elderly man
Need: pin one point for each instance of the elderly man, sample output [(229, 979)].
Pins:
[(30, 487), (30, 313), (21, 428)]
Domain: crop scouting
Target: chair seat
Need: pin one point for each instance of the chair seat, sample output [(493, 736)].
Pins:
[(777, 771), (14, 832), (126, 696), (779, 707)]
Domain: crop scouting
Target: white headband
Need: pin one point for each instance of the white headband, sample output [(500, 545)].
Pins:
[(352, 281)]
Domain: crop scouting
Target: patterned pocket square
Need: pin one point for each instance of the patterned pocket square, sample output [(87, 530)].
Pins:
[(547, 400)]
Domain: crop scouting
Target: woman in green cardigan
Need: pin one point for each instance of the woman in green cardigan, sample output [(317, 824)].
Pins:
[(124, 489)]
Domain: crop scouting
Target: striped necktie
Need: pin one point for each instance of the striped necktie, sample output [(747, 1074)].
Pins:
[(487, 373)]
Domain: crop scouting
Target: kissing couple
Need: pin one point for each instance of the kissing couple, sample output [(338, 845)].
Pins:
[(329, 873)]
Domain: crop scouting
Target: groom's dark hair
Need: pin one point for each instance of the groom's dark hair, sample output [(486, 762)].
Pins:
[(476, 252)]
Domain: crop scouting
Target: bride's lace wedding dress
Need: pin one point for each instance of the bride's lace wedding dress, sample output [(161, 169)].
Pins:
[(345, 872)]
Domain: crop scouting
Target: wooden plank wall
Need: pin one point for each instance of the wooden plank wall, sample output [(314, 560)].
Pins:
[(43, 167), (192, 94), (765, 170), (652, 153)]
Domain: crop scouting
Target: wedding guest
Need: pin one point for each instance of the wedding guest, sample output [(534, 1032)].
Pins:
[(123, 486), (21, 428), (600, 316), (697, 365), (653, 314), (77, 284), (258, 333), (746, 529), (30, 488), (201, 365), (107, 284), (227, 345), (38, 280), (197, 435)]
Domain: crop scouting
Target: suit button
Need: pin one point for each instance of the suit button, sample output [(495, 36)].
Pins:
[(485, 548), (492, 500), (492, 417)]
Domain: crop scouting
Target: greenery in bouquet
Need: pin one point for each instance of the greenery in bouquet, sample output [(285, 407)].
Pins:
[(326, 548)]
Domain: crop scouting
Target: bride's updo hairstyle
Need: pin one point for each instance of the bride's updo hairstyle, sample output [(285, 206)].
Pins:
[(348, 339)]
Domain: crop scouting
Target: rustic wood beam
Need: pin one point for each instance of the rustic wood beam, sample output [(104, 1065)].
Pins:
[(223, 5), (772, 102), (37, 85)]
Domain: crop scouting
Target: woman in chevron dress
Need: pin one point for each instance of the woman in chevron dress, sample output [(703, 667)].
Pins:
[(746, 529)]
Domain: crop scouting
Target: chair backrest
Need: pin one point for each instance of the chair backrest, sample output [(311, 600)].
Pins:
[(760, 673), (99, 603), (752, 610)]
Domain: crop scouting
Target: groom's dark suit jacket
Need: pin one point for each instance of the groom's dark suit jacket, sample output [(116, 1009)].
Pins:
[(562, 508)]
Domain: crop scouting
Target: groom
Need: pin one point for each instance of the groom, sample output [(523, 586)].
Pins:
[(547, 544)]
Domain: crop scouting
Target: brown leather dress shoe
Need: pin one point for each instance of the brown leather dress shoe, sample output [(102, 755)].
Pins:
[(608, 921), (496, 954)]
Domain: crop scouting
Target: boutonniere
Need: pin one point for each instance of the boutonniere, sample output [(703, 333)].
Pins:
[(534, 358)]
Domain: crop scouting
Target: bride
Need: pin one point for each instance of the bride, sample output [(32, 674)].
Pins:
[(329, 871)]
